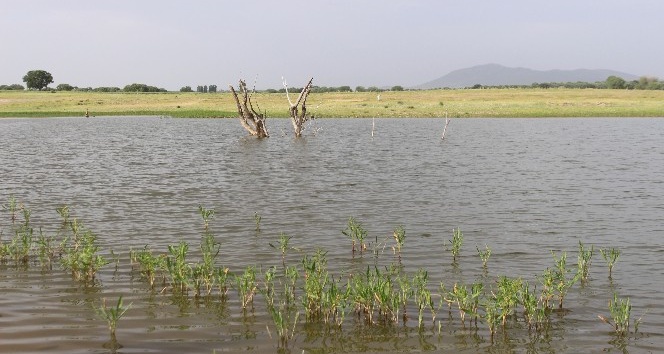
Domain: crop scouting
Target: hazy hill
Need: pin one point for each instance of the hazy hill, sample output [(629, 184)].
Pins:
[(495, 74)]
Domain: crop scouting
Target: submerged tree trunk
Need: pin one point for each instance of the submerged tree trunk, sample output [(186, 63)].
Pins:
[(299, 116), (251, 121)]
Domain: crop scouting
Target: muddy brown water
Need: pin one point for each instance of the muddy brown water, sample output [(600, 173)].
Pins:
[(524, 187)]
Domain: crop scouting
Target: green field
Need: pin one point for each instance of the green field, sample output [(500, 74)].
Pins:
[(429, 103)]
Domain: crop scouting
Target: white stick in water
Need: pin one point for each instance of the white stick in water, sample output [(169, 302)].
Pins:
[(373, 126), (447, 121)]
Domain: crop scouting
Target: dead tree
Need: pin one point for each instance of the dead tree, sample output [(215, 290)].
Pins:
[(299, 116), (252, 121)]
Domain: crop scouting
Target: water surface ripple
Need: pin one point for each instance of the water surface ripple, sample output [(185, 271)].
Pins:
[(525, 187)]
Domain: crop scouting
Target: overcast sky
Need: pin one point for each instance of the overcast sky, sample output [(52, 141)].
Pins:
[(170, 44)]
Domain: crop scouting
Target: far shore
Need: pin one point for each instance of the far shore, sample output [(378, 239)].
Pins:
[(499, 103)]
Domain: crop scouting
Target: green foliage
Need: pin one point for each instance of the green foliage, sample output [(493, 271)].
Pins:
[(379, 296), (584, 259), (400, 238), (206, 214), (12, 87), (484, 254), (357, 233), (507, 296), (112, 314), (534, 310), (257, 221), (316, 279), (149, 264), (37, 79), (12, 206), (422, 294), (246, 286), (615, 82), (611, 257), (64, 213), (178, 269), (81, 253), (620, 310), (282, 245), (142, 88), (466, 299), (456, 242), (64, 87), (556, 281)]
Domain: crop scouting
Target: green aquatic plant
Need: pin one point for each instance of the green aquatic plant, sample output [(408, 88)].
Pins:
[(268, 285), (221, 275), (555, 280), (257, 220), (64, 213), (399, 238), (385, 296), (357, 233), (206, 214), (404, 294), (620, 310), (21, 244), (584, 259), (246, 286), (179, 270), (455, 243), (460, 296), (12, 206), (284, 321), (112, 314), (534, 310), (282, 245), (149, 264), (81, 253), (316, 278), (46, 249), (492, 315), (422, 295), (27, 213), (203, 273), (506, 297), (484, 254), (611, 257)]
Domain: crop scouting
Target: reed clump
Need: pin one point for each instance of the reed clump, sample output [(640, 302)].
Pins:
[(310, 293)]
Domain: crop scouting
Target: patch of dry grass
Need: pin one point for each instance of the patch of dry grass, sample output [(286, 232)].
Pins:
[(430, 103)]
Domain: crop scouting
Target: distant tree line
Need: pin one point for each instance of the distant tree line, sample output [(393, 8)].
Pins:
[(612, 82), (15, 87), (40, 79), (322, 89), (127, 88)]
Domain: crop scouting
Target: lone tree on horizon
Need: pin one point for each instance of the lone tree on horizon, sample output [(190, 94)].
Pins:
[(37, 79)]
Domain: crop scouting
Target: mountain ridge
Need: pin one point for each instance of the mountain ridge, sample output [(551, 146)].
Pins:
[(497, 75)]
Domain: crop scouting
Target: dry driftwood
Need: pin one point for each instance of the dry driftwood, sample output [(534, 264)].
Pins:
[(299, 115), (252, 121)]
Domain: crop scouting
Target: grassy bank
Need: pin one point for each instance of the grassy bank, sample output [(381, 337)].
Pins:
[(430, 103)]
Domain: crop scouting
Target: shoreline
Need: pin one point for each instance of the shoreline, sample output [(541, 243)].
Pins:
[(482, 103)]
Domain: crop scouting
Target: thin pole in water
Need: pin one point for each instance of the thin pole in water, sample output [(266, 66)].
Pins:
[(447, 121), (373, 126)]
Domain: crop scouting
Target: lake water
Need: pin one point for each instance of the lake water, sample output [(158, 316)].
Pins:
[(524, 187)]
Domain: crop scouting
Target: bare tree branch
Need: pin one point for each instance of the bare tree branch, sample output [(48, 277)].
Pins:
[(252, 121), (299, 116)]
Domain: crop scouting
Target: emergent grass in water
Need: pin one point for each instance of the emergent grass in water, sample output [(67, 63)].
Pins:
[(377, 297)]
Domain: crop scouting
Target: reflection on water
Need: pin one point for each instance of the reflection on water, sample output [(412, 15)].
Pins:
[(522, 186)]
